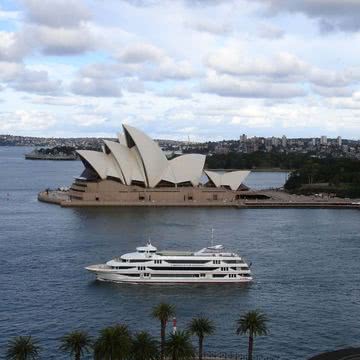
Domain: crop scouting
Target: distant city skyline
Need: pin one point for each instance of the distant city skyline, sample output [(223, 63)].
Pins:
[(204, 69)]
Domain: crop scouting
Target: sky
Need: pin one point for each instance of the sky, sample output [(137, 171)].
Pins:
[(180, 69)]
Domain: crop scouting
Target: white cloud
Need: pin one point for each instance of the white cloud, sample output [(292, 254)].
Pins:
[(236, 62), (13, 46), (153, 58), (210, 26), (61, 41), (57, 101), (225, 85), (21, 120), (134, 85), (22, 78), (9, 70), (57, 13), (141, 53), (270, 31), (178, 91), (35, 82), (169, 69), (96, 87), (332, 91), (88, 120), (330, 78), (332, 14)]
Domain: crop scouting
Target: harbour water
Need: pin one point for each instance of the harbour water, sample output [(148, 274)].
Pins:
[(305, 263)]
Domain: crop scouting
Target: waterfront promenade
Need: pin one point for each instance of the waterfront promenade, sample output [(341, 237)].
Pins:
[(276, 199)]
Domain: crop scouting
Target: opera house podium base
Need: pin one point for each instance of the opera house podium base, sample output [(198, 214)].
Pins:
[(113, 193)]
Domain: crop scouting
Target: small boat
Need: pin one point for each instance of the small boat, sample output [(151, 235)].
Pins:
[(149, 265)]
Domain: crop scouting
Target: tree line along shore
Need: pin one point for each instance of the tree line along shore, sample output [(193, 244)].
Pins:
[(309, 174), (117, 342)]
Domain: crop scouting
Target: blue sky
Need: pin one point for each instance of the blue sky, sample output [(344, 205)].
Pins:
[(204, 69)]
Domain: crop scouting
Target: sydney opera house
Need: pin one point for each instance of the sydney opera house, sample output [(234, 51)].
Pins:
[(134, 169)]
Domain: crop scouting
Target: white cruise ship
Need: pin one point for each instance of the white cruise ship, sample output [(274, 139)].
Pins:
[(148, 265)]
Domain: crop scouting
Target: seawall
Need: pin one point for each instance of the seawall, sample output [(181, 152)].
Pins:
[(61, 198)]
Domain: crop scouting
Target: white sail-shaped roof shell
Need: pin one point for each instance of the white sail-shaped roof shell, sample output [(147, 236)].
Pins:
[(128, 162), (137, 158), (185, 168), (122, 139), (153, 159), (232, 179), (100, 162)]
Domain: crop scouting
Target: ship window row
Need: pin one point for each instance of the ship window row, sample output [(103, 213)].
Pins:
[(240, 268), (187, 261), (139, 260), (178, 268), (233, 261), (175, 275), (186, 275), (122, 267)]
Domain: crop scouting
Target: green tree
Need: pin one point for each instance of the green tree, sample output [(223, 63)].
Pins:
[(163, 312), (144, 347), (114, 343), (76, 343), (179, 346), (253, 323), (22, 348), (201, 327)]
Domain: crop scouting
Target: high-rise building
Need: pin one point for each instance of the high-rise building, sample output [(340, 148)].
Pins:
[(339, 141), (323, 140), (283, 141), (243, 138), (274, 141)]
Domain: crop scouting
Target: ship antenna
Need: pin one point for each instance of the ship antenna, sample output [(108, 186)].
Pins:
[(212, 237)]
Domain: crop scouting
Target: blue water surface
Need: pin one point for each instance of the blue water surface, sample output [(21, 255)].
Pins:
[(305, 264)]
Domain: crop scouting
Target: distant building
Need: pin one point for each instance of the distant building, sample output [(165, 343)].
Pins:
[(284, 141), (274, 141), (323, 140), (243, 138), (339, 141)]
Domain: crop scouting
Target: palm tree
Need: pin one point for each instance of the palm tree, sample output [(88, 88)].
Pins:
[(163, 312), (253, 323), (22, 348), (144, 347), (114, 343), (76, 343), (201, 327), (179, 346)]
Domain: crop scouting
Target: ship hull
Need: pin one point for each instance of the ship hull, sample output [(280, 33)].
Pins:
[(111, 276)]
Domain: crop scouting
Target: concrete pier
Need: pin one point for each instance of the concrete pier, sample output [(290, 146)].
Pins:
[(277, 199)]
